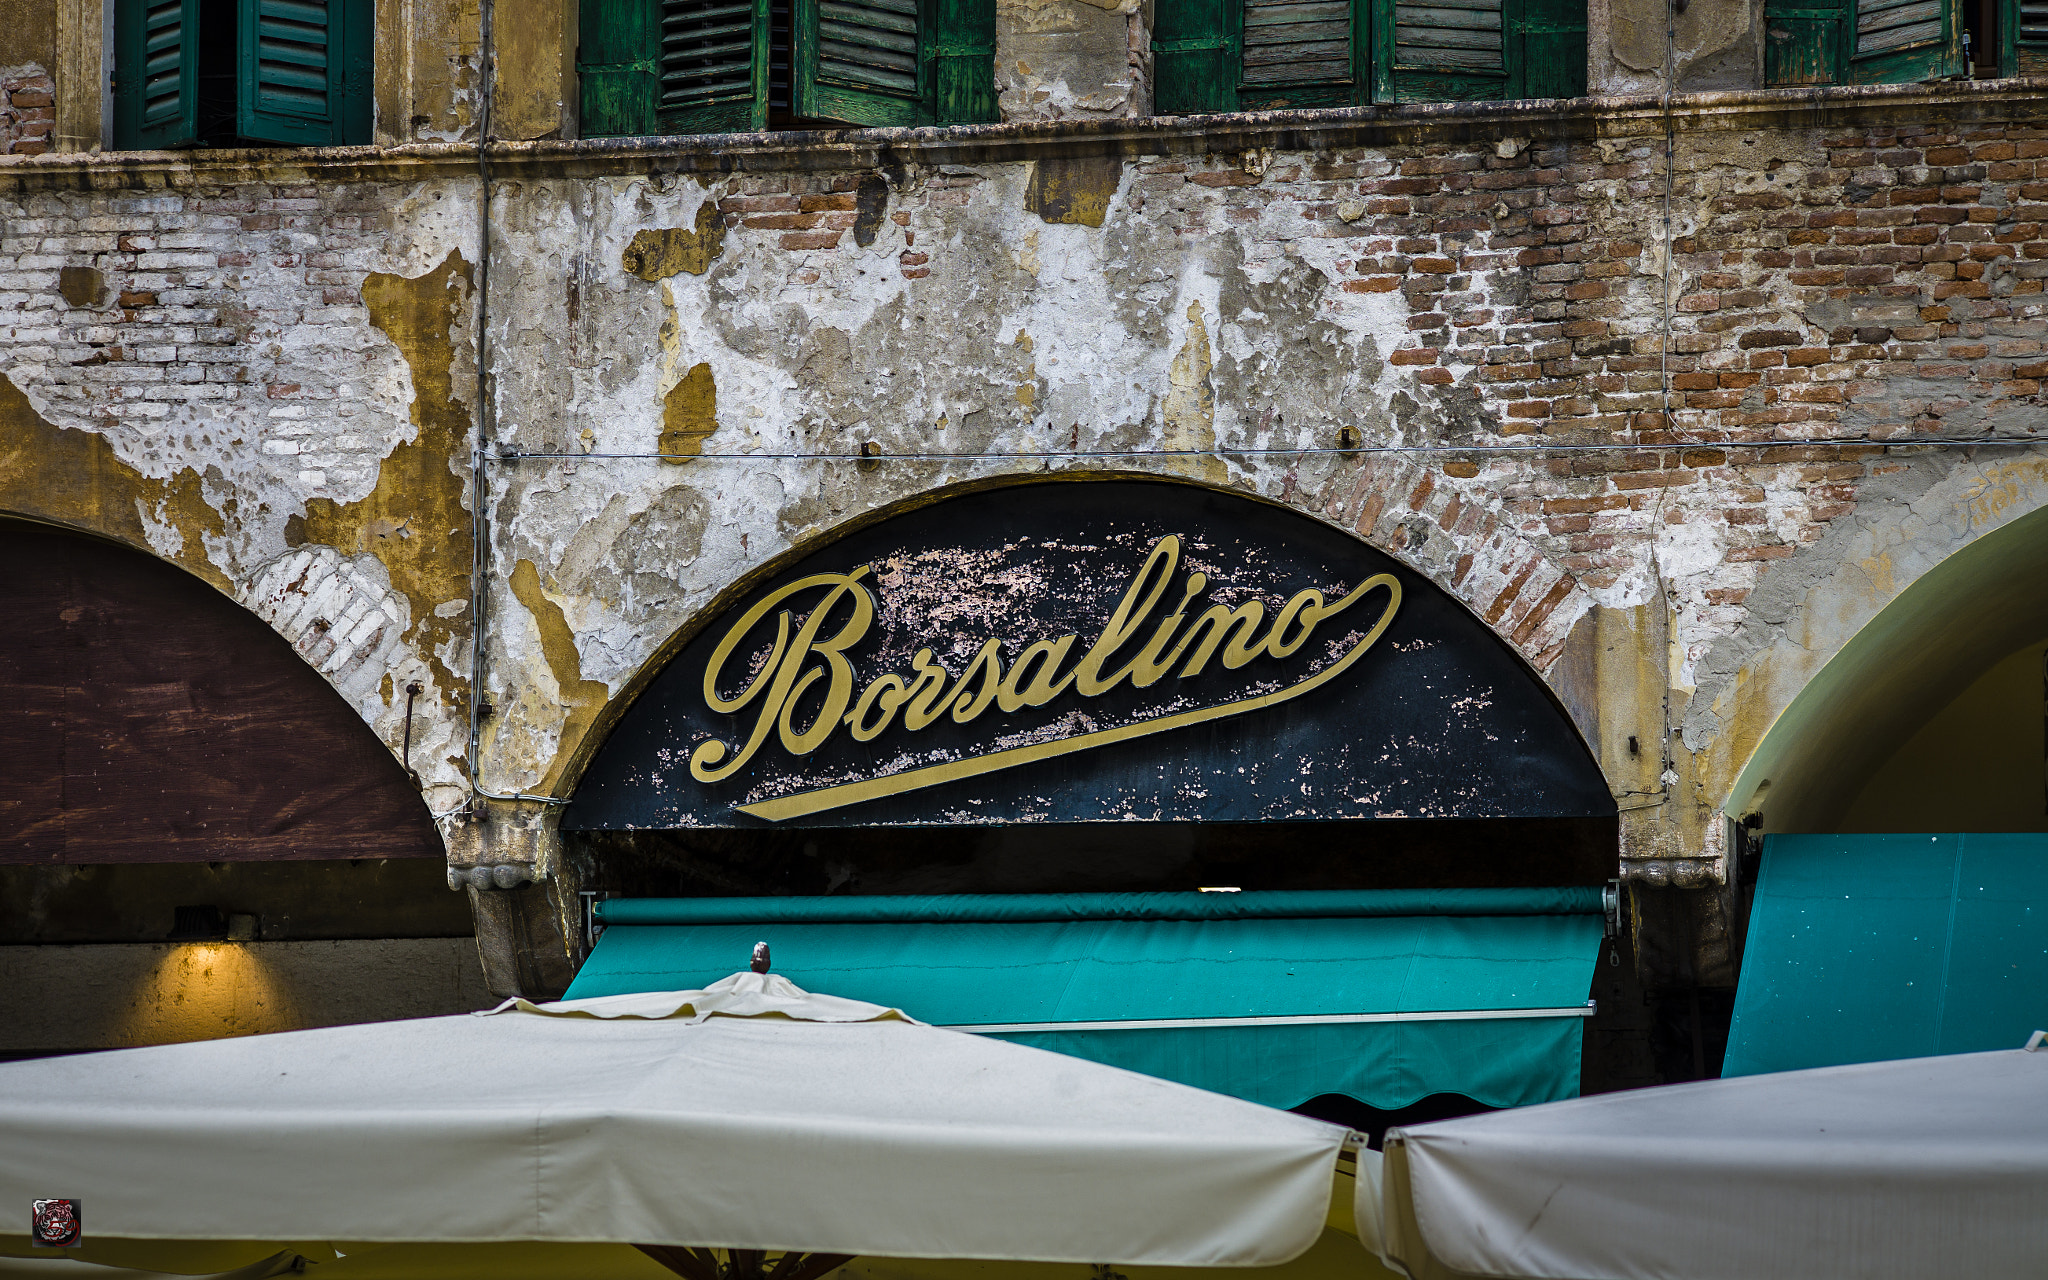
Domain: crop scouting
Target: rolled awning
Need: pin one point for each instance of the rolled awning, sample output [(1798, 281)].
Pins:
[(1274, 997)]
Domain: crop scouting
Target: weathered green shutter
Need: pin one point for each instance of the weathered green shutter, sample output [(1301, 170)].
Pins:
[(1803, 42), (711, 64), (1447, 50), (302, 71), (962, 52), (2023, 38), (1302, 53), (860, 62), (1546, 49), (1897, 41), (617, 73), (156, 73), (1195, 63)]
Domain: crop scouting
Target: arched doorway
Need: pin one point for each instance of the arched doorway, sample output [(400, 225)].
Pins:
[(1384, 778), (201, 837), (1930, 717), (1043, 696), (1896, 863)]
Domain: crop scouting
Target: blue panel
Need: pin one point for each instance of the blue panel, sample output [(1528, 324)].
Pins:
[(1997, 989), (1121, 970), (1864, 948)]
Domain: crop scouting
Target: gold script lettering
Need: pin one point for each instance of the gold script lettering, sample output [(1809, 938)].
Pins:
[(804, 665), (826, 798), (704, 761)]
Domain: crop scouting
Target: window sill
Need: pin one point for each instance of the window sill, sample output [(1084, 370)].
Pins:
[(1835, 106)]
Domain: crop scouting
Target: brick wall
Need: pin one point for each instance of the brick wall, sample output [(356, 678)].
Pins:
[(1496, 297), (28, 111), (233, 308)]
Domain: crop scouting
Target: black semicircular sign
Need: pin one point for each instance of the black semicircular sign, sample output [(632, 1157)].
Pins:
[(1107, 651)]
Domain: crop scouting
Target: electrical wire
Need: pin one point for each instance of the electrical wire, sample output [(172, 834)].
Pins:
[(1225, 451)]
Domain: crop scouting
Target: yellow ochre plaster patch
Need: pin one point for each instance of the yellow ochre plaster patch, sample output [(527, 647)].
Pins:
[(689, 414), (75, 478), (415, 521), (583, 698), (659, 254)]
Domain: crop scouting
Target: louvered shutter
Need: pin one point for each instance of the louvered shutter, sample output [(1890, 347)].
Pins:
[(1301, 53), (1449, 50), (1195, 63), (2028, 49), (302, 71), (860, 62), (711, 64), (1897, 41), (156, 73)]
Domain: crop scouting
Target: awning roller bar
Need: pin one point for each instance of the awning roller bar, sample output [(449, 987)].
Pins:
[(1003, 908), (1586, 1010)]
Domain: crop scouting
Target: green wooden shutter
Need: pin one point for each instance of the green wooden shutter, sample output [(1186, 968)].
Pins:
[(617, 76), (156, 73), (860, 62), (302, 71), (1897, 41), (1195, 63), (962, 52), (1803, 42), (1446, 50), (2023, 28), (711, 63), (1302, 53), (1546, 49)]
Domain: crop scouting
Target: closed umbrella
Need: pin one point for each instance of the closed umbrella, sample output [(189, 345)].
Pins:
[(751, 1116)]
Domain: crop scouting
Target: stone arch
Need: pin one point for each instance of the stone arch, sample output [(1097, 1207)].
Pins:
[(1862, 635), (1398, 505)]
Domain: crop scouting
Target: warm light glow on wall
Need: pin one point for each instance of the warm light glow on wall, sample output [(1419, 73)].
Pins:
[(205, 991)]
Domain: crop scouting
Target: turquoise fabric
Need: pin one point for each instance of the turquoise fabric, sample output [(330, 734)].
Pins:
[(1864, 948), (995, 907), (1120, 970)]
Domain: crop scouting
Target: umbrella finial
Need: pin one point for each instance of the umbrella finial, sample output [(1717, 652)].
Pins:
[(760, 957)]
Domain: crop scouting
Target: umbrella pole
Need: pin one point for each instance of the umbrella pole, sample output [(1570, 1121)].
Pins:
[(743, 1264)]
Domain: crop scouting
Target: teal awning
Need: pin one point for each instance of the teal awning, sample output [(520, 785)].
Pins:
[(1275, 997), (1864, 948)]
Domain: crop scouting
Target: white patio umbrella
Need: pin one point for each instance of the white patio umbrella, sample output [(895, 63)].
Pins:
[(749, 1116), (1910, 1169)]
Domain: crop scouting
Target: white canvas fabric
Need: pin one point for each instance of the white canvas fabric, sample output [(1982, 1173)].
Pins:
[(717, 1118), (1882, 1171)]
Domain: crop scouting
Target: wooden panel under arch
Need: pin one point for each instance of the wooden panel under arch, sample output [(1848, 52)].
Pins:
[(144, 717)]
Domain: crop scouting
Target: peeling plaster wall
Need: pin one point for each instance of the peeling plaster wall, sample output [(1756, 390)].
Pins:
[(268, 375), (224, 376), (1071, 59)]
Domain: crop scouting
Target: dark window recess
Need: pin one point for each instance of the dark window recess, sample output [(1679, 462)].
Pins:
[(241, 72), (1264, 55), (710, 66)]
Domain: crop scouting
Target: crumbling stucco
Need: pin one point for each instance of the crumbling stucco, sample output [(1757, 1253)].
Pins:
[(1440, 293), (657, 254), (75, 478), (415, 521)]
